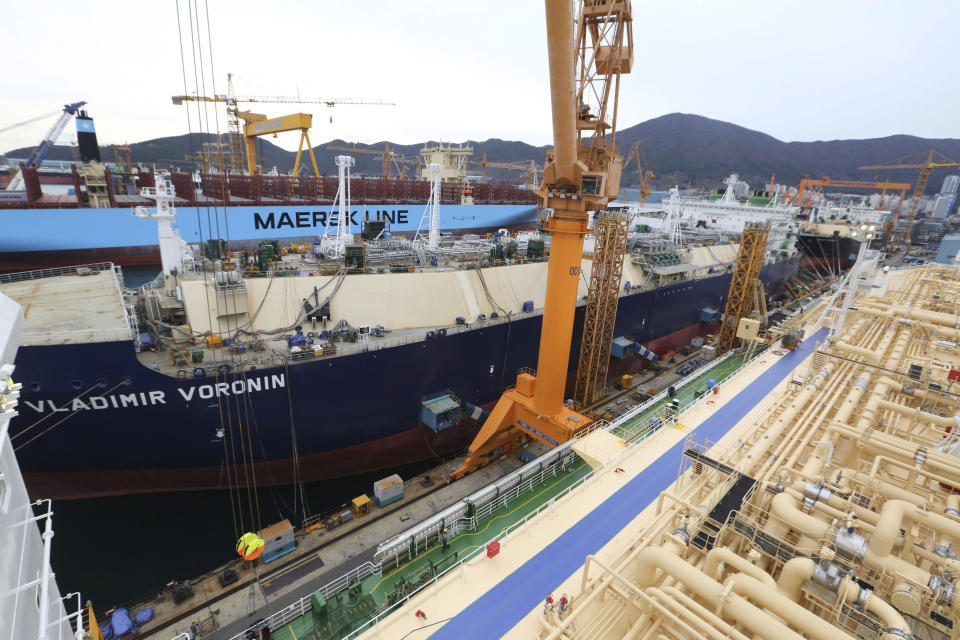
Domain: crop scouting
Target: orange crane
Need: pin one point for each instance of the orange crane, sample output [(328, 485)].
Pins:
[(390, 157), (902, 236), (643, 169), (581, 174), (530, 168), (817, 184), (234, 128)]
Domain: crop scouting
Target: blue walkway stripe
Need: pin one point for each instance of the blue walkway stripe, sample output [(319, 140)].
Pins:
[(494, 613)]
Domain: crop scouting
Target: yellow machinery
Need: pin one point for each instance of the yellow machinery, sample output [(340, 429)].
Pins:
[(235, 134), (643, 170), (582, 174), (902, 236), (257, 124), (743, 285), (389, 157), (610, 230)]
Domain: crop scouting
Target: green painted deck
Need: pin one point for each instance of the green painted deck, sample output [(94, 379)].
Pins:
[(380, 591)]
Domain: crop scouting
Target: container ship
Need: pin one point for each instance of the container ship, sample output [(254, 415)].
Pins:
[(149, 390)]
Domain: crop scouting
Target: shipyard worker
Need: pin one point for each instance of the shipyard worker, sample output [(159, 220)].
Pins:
[(584, 110), (193, 630), (445, 538)]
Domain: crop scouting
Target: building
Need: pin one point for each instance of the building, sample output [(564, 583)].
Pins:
[(949, 247), (941, 205), (950, 184)]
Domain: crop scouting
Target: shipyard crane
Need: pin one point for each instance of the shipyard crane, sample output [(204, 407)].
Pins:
[(36, 157), (643, 169), (388, 156), (935, 160), (257, 124), (581, 174), (746, 289), (530, 168), (802, 201), (235, 134)]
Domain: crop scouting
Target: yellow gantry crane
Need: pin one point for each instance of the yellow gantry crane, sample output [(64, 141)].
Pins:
[(257, 124), (582, 174), (643, 169), (234, 129), (745, 285), (935, 160)]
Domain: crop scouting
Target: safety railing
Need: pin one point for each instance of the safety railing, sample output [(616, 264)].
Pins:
[(389, 553), (37, 274)]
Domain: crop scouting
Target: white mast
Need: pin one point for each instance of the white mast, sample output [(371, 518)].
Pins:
[(431, 213), (342, 206), (173, 250)]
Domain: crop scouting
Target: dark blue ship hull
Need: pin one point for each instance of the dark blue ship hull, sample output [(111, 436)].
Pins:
[(95, 421)]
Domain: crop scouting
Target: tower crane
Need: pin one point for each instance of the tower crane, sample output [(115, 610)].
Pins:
[(643, 169), (935, 160), (582, 173), (235, 134), (36, 157), (746, 290), (530, 168), (389, 157)]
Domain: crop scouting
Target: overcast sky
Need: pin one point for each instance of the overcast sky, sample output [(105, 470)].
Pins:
[(811, 70)]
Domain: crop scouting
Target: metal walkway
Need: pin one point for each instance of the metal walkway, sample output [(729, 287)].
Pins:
[(494, 613)]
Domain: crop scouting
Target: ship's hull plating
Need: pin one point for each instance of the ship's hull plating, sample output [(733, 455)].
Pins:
[(41, 238), (141, 431)]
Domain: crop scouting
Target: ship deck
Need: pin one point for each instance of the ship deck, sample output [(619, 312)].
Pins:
[(502, 596), (69, 308)]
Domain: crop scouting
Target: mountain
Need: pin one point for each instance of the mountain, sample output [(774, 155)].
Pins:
[(681, 149)]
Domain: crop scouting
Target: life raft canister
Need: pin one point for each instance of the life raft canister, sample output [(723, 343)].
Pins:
[(250, 546)]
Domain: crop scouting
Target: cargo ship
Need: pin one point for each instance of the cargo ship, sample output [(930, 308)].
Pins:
[(149, 391)]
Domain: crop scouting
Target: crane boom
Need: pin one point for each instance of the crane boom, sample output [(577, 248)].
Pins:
[(235, 134), (581, 174), (36, 157), (935, 160)]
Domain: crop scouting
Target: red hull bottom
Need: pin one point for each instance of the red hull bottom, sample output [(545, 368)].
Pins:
[(413, 445), (125, 256)]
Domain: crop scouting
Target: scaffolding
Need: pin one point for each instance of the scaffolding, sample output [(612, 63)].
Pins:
[(746, 271), (610, 231)]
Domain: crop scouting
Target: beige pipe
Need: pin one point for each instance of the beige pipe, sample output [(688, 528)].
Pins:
[(735, 605), (894, 446), (910, 412), (705, 613), (681, 615), (724, 554), (801, 618), (794, 572), (892, 517), (886, 489), (868, 356), (877, 461), (784, 507)]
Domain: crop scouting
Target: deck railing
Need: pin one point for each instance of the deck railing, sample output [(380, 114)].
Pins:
[(36, 274)]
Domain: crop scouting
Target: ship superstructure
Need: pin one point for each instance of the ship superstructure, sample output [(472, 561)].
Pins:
[(31, 605)]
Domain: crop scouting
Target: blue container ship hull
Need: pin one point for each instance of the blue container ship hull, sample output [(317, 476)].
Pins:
[(41, 238), (95, 421)]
